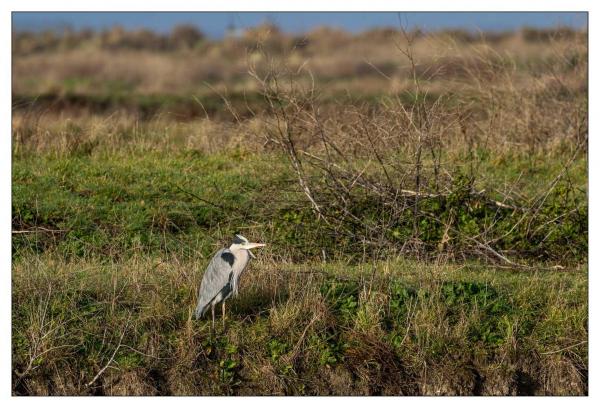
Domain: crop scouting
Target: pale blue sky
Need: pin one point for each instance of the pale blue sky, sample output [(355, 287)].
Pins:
[(215, 24)]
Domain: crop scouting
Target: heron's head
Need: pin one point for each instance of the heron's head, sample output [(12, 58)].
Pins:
[(240, 242)]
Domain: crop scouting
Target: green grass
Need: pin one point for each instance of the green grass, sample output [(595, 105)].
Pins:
[(395, 327), (128, 201), (126, 258), (134, 201)]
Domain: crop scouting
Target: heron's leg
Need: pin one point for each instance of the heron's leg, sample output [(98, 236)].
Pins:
[(223, 315), (212, 308)]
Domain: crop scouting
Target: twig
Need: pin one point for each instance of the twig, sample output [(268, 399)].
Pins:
[(494, 252), (299, 342), (228, 208), (111, 357), (146, 355), (40, 229), (565, 348)]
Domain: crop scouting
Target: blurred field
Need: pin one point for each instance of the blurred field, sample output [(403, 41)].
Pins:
[(147, 73), (423, 197)]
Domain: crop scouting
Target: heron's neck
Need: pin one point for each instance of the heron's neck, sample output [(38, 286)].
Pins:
[(240, 254)]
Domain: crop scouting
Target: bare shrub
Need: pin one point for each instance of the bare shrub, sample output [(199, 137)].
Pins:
[(378, 179)]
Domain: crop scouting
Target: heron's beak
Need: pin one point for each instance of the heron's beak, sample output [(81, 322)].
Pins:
[(253, 245)]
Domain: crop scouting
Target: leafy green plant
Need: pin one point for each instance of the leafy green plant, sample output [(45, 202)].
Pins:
[(342, 296), (494, 309), (229, 366), (330, 348), (276, 349)]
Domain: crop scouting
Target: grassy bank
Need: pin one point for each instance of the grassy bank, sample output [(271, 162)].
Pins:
[(394, 327), (109, 249)]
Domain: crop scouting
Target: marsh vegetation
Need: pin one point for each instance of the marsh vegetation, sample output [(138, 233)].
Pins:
[(424, 201)]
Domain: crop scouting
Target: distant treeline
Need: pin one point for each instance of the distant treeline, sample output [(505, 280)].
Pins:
[(190, 37)]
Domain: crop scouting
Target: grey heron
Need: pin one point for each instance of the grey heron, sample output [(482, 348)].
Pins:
[(222, 276)]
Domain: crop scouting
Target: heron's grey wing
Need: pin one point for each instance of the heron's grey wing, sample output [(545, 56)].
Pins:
[(216, 277)]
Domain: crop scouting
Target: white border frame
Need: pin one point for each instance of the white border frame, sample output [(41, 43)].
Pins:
[(272, 5)]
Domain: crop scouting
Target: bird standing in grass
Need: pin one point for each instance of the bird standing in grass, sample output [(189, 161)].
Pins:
[(222, 276)]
